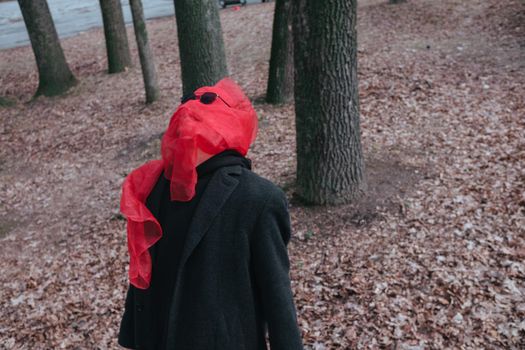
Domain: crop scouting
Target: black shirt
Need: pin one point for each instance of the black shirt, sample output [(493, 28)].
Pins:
[(175, 219)]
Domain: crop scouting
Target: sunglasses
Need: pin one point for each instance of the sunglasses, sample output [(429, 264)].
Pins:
[(206, 98)]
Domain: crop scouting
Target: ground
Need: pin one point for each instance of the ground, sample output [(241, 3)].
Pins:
[(431, 258)]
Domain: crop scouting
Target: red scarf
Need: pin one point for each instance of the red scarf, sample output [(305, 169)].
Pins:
[(229, 122)]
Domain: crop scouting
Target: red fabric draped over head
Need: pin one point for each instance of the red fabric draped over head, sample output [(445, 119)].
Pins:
[(229, 122)]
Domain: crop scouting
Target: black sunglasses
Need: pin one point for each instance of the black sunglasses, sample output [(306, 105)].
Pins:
[(206, 98)]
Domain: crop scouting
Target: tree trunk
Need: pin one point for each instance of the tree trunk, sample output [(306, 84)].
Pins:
[(202, 56), (146, 56), (330, 167), (55, 77), (116, 38), (280, 80)]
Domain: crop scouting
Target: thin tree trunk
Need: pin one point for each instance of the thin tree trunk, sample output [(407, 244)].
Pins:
[(280, 79), (55, 77), (116, 38), (202, 56), (330, 167), (146, 56)]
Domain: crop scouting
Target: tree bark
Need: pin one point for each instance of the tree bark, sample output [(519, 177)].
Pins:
[(116, 38), (147, 62), (55, 77), (202, 56), (280, 79), (330, 167)]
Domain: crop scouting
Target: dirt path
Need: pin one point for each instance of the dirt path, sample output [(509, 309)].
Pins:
[(433, 258)]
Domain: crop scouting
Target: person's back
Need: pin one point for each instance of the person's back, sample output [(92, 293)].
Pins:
[(220, 271)]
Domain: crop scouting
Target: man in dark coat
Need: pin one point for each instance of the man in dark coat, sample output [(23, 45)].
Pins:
[(220, 269)]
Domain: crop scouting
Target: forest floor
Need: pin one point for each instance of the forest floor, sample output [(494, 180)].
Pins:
[(432, 258)]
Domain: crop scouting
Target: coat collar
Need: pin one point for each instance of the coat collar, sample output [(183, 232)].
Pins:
[(143, 228), (217, 192), (219, 189)]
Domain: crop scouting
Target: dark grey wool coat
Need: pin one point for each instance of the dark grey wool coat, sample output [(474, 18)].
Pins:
[(233, 280)]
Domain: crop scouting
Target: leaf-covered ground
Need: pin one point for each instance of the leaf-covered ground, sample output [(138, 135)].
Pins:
[(433, 256)]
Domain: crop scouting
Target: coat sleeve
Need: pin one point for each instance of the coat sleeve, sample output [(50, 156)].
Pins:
[(271, 267), (127, 324)]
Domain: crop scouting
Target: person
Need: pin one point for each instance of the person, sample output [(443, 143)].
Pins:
[(207, 237)]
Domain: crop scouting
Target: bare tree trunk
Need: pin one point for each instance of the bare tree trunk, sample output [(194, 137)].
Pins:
[(330, 167), (116, 38), (202, 56), (146, 56), (280, 79), (55, 77)]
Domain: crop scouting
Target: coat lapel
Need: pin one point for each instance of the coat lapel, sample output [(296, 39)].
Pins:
[(215, 195)]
